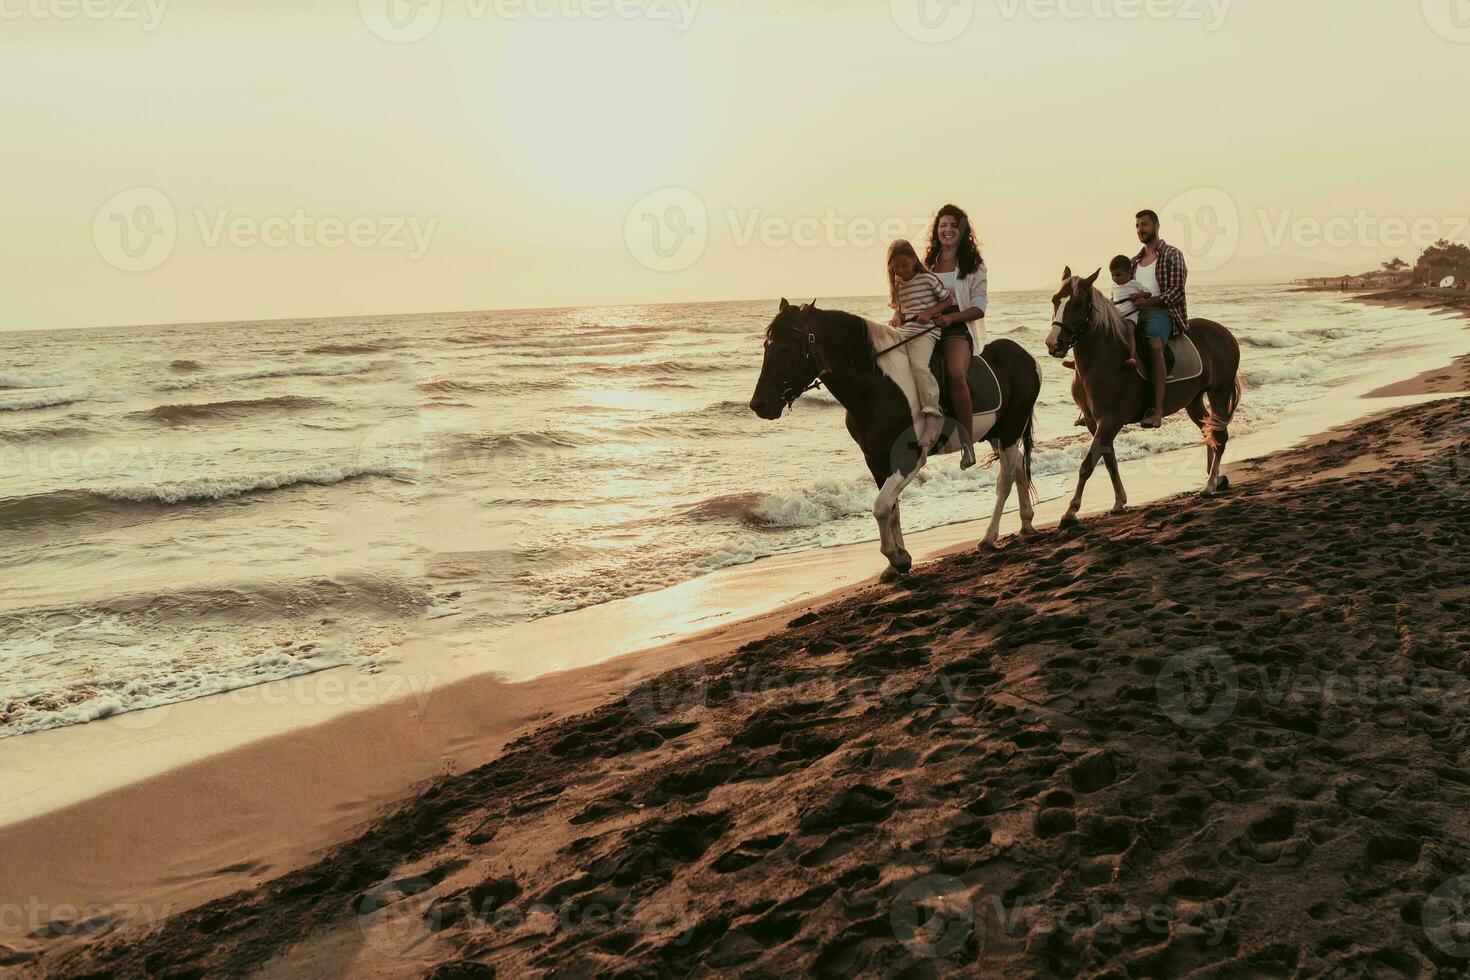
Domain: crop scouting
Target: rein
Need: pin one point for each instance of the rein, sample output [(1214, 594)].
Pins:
[(809, 352)]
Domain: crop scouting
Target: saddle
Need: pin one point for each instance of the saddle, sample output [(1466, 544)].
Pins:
[(985, 393), (1181, 358)]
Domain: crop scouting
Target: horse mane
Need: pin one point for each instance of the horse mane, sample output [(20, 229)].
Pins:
[(1105, 316)]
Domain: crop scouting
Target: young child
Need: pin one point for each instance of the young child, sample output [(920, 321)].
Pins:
[(917, 296), (1125, 289)]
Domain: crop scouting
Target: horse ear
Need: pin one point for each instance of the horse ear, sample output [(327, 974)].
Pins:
[(784, 305), (814, 304), (1092, 279), (1067, 273)]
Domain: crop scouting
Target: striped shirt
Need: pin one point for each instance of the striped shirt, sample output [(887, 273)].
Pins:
[(921, 293)]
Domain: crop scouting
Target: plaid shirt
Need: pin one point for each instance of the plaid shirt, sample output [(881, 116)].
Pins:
[(1173, 274)]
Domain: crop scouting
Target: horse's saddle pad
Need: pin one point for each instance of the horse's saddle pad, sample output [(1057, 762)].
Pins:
[(1181, 358), (984, 387)]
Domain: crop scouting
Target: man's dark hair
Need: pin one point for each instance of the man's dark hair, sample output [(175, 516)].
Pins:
[(1120, 262), (1148, 214)]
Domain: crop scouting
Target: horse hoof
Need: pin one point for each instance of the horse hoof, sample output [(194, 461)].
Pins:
[(1027, 533), (1119, 509), (1223, 484), (1069, 520), (987, 546), (890, 575)]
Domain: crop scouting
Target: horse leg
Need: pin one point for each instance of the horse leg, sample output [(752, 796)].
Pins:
[(1023, 487), (1103, 441), (1002, 494), (1221, 410), (1120, 495), (884, 511)]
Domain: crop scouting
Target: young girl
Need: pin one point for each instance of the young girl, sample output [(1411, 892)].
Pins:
[(917, 296)]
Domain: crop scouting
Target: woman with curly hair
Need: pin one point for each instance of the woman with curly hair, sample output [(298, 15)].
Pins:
[(954, 256)]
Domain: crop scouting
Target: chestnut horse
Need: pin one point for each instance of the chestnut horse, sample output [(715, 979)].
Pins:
[(1112, 395), (860, 363)]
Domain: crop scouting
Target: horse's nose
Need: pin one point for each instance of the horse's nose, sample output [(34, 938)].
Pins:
[(759, 406)]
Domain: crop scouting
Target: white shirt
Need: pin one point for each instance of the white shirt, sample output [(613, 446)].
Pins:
[(971, 291), (1123, 298), (1148, 276), (948, 279)]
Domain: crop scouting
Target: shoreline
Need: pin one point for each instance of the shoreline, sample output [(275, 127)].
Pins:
[(244, 795)]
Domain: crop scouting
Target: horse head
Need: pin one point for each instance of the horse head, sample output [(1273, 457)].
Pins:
[(1073, 313), (791, 360)]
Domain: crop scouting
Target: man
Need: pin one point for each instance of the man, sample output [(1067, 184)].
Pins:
[(1163, 312)]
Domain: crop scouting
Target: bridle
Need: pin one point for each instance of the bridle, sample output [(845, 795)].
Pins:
[(808, 341), (1066, 336)]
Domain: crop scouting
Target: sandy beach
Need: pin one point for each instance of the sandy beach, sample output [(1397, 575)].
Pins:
[(1005, 763)]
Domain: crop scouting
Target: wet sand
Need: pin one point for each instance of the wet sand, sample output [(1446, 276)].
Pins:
[(212, 810)]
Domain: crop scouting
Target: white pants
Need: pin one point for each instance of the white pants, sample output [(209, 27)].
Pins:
[(919, 352)]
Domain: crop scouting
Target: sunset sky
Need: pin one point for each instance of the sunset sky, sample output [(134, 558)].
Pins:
[(276, 158)]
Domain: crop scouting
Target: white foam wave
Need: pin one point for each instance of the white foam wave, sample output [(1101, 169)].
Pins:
[(49, 400), (33, 380), (221, 488)]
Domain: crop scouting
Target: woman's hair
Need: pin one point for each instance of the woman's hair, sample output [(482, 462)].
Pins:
[(967, 257), (900, 247)]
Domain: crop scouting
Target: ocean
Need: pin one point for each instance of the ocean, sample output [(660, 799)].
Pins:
[(192, 509)]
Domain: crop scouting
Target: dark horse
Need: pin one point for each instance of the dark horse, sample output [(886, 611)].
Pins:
[(1111, 394), (804, 344)]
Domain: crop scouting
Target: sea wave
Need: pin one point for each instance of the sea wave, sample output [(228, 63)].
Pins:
[(347, 349), (48, 400), (63, 506), (185, 366), (523, 443), (493, 387), (288, 371), (39, 433), (33, 380), (182, 414), (1268, 340)]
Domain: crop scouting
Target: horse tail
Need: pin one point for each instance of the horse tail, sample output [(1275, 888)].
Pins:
[(1028, 441), (1220, 417)]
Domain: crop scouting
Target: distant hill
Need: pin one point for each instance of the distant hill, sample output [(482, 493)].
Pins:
[(1270, 269)]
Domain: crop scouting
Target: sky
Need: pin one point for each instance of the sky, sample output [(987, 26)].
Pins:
[(178, 161)]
